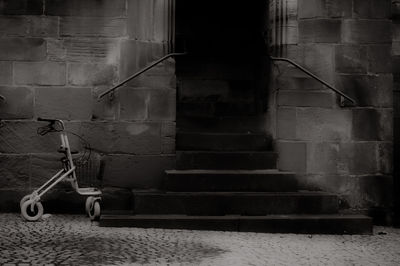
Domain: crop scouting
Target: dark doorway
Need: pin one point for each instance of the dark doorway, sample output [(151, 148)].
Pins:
[(225, 73)]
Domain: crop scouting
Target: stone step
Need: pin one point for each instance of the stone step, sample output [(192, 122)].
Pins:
[(223, 141), (226, 203), (230, 180), (297, 224), (238, 124), (211, 160)]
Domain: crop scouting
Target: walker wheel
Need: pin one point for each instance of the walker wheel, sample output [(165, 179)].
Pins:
[(94, 212), (88, 204), (25, 198), (32, 211)]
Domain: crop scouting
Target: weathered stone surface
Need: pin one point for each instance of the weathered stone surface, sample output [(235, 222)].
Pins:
[(81, 74), (92, 27), (320, 31), (385, 158), (87, 8), (64, 103), (372, 8), (322, 157), (13, 26), (114, 198), (6, 73), (292, 156), (380, 58), (324, 8), (21, 7), (318, 124), (358, 158), (9, 199), (123, 137), (26, 49), (148, 12), (136, 55), (371, 125), (89, 50), (373, 191), (286, 123), (14, 171), (56, 50), (162, 105), (368, 90), (18, 103), (134, 103), (299, 83), (140, 172), (366, 31), (306, 99), (43, 167), (319, 59), (21, 137), (351, 59), (39, 73), (44, 26)]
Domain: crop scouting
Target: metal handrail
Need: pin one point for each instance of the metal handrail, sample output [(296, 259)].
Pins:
[(138, 73), (313, 76)]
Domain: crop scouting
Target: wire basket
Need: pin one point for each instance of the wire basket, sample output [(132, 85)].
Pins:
[(88, 171)]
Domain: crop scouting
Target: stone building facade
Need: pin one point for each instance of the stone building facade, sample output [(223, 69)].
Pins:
[(56, 56)]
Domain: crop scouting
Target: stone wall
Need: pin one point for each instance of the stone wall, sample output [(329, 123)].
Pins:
[(56, 56), (345, 150)]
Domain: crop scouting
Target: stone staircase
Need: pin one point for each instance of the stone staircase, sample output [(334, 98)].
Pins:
[(226, 176)]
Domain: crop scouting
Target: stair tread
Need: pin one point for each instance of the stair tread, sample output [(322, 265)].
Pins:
[(230, 172), (231, 217), (234, 193)]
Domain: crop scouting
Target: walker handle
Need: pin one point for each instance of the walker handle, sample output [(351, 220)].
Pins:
[(52, 121)]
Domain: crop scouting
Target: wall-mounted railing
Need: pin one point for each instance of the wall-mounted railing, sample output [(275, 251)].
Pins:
[(143, 70), (329, 86)]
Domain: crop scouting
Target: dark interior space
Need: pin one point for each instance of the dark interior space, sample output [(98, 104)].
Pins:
[(225, 74)]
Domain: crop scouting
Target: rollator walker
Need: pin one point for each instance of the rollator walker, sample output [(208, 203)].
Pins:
[(31, 207)]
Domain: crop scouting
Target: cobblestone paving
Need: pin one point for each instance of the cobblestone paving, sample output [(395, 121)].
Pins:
[(74, 240)]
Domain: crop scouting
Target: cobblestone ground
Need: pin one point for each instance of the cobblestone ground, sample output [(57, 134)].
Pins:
[(74, 240)]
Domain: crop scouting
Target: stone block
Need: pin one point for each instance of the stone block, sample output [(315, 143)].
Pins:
[(13, 26), (139, 172), (6, 73), (372, 125), (9, 199), (134, 103), (81, 74), (40, 73), (380, 58), (324, 8), (385, 158), (88, 50), (56, 50), (168, 134), (299, 83), (22, 49), (358, 158), (114, 198), (306, 99), (320, 31), (14, 171), (318, 124), (42, 167), (92, 27), (319, 59), (64, 103), (351, 59), (87, 8), (142, 13), (373, 191), (22, 137), (374, 91), (286, 123), (21, 7), (44, 26), (372, 8), (322, 158), (106, 109), (292, 156), (366, 31), (123, 137), (162, 105), (18, 103)]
